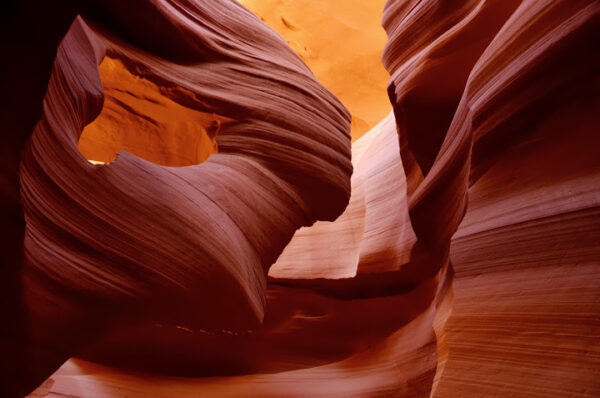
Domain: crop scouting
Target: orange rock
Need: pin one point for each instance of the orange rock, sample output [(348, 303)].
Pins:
[(342, 42), (138, 119)]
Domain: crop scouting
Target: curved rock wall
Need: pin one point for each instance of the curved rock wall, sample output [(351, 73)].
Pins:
[(466, 266), (189, 245), (495, 103)]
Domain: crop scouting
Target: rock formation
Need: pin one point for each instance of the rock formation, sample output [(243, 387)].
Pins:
[(231, 243)]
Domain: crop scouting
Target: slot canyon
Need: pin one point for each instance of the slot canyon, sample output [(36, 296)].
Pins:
[(300, 198)]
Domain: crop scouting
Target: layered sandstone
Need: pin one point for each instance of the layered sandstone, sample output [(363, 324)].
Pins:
[(463, 259)]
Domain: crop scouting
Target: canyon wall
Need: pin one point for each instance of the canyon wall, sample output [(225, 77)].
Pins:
[(231, 242)]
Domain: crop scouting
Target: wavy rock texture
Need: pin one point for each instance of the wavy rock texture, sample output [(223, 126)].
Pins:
[(466, 266), (369, 334), (495, 103), (189, 245)]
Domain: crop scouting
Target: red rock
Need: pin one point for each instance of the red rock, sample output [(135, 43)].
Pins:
[(466, 266)]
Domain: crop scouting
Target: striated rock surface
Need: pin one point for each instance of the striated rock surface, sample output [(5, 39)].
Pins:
[(189, 245), (465, 263), (495, 103), (364, 332)]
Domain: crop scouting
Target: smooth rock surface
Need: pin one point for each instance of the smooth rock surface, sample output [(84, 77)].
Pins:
[(455, 253)]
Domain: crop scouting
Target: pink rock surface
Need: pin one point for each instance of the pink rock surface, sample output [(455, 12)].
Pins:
[(189, 245), (465, 263), (496, 103)]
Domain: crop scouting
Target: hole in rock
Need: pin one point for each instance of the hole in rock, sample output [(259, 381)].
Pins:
[(138, 118)]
